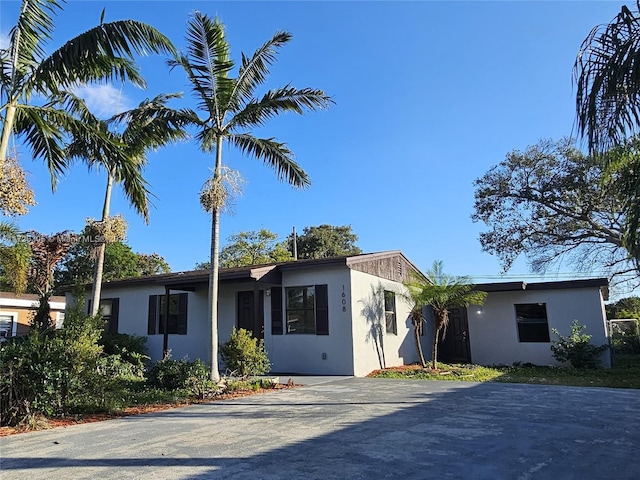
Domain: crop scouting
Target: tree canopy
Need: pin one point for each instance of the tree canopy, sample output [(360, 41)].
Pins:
[(550, 204), (326, 241), (628, 307), (253, 248), (120, 261)]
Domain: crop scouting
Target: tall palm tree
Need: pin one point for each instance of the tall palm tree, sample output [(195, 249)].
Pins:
[(150, 126), (441, 292), (102, 53), (231, 109)]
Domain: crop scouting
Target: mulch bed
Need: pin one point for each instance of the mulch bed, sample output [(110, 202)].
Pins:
[(137, 410)]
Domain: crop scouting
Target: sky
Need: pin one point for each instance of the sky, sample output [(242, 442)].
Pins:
[(428, 97)]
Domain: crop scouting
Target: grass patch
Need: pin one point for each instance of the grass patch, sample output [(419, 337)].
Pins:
[(624, 374)]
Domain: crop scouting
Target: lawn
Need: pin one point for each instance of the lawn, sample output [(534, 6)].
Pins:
[(624, 374)]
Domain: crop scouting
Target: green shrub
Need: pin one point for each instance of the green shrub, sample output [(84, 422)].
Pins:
[(170, 374), (51, 372), (577, 348), (124, 355), (244, 355)]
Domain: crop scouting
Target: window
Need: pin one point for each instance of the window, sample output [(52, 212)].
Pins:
[(307, 310), (390, 312), (532, 322), (177, 319), (8, 325), (109, 309)]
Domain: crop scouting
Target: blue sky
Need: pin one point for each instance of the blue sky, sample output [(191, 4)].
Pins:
[(429, 96)]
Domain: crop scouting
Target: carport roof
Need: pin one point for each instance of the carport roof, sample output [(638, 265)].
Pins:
[(601, 283)]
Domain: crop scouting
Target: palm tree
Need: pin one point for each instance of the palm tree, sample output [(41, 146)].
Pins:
[(441, 292), (150, 126), (607, 76), (414, 296), (231, 109), (102, 53)]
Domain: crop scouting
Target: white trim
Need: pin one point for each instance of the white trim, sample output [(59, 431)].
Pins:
[(19, 302), (14, 321)]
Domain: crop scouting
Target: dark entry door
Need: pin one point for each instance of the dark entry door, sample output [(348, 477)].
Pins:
[(251, 312), (455, 346)]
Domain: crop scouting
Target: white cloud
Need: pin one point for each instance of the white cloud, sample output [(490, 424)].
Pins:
[(103, 100)]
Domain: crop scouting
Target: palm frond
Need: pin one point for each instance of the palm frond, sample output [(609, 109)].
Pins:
[(274, 154), (42, 129), (275, 102), (254, 70), (607, 76), (33, 28)]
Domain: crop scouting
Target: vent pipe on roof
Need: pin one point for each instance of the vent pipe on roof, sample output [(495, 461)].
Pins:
[(295, 244)]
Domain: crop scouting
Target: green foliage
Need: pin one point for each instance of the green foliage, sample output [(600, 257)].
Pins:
[(124, 355), (168, 374), (51, 372), (119, 262), (244, 355), (549, 204), (576, 348), (253, 248), (624, 308), (15, 256), (326, 241)]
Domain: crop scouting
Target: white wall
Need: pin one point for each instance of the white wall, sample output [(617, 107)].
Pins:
[(372, 351), (133, 313), (302, 353), (493, 334)]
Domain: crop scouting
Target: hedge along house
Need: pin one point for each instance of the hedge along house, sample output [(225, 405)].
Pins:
[(334, 316), (516, 321)]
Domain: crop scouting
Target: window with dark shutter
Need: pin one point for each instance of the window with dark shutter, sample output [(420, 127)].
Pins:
[(322, 310), (276, 311), (182, 313), (177, 320), (112, 321)]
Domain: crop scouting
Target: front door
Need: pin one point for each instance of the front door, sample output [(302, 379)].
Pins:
[(455, 346), (251, 312)]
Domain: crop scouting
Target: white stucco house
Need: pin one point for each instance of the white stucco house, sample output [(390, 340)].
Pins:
[(335, 316), (516, 321), (347, 315)]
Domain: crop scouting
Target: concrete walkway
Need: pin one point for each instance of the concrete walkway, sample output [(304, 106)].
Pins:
[(354, 428)]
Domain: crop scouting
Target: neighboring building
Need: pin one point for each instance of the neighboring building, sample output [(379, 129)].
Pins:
[(516, 321), (16, 312), (335, 316)]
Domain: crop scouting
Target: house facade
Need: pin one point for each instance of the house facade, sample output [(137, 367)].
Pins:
[(16, 312), (515, 323), (336, 316)]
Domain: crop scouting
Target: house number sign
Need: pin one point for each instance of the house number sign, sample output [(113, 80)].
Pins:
[(344, 300)]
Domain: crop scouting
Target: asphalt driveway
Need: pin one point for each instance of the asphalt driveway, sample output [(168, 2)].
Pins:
[(354, 428)]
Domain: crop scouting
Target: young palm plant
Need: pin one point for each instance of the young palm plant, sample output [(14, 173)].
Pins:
[(102, 53), (150, 126), (231, 109), (441, 292)]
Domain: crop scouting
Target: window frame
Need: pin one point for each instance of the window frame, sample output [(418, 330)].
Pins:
[(320, 310), (155, 325), (390, 312), (532, 330), (13, 331)]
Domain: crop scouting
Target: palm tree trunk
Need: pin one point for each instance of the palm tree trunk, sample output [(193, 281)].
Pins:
[(97, 277), (215, 266), (416, 336), (434, 355), (7, 128)]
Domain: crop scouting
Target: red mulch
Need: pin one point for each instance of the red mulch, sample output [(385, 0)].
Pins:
[(138, 410)]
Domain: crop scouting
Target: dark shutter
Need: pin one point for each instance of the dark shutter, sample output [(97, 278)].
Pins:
[(322, 310), (182, 313), (153, 316), (276, 311), (88, 306), (113, 318)]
